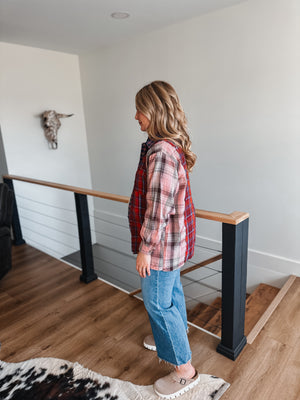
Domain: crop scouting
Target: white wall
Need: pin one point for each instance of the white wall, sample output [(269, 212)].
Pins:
[(32, 81), (237, 74)]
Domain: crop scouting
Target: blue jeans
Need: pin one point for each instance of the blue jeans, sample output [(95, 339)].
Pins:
[(164, 301)]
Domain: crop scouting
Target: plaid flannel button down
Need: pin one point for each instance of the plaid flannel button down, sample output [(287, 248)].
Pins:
[(137, 204), (161, 211)]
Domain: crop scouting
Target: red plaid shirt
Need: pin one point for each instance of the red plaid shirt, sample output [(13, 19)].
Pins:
[(161, 210)]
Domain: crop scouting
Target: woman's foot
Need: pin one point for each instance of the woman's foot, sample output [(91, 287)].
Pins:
[(149, 343), (173, 385), (185, 371)]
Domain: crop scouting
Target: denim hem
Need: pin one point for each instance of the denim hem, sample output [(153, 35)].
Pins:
[(164, 301), (160, 360)]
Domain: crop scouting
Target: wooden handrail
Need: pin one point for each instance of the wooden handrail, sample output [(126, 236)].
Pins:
[(233, 218), (74, 189)]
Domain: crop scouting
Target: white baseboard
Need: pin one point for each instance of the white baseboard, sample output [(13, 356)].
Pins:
[(274, 262)]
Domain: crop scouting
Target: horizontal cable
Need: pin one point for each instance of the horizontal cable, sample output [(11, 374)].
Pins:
[(115, 265), (91, 217), (95, 257), (110, 236), (189, 298), (47, 215), (49, 227), (203, 263), (46, 204), (109, 222), (47, 237), (199, 281)]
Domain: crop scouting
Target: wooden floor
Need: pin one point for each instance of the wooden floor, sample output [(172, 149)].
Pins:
[(46, 312)]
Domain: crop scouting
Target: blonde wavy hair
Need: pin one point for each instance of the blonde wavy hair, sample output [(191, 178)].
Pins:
[(159, 102)]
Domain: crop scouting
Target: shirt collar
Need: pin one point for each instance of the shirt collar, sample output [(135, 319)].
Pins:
[(149, 143)]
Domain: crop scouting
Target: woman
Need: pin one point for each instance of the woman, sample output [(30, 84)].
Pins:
[(162, 222)]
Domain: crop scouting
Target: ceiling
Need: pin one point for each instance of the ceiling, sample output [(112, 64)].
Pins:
[(76, 26)]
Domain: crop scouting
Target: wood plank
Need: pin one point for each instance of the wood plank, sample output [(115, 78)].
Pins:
[(193, 313), (257, 373), (202, 314), (267, 314), (285, 324), (257, 303), (288, 379), (214, 325)]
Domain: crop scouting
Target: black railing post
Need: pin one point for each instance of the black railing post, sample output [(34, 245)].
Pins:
[(234, 277), (86, 251), (16, 226)]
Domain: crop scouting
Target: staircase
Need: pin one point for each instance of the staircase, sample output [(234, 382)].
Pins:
[(208, 317)]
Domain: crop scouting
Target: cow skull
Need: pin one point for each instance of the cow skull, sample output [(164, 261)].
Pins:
[(51, 124)]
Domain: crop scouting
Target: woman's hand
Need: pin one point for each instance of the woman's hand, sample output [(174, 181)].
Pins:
[(143, 264)]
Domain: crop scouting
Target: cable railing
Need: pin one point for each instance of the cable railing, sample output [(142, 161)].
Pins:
[(233, 256)]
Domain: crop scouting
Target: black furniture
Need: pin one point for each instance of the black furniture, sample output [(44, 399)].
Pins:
[(6, 210)]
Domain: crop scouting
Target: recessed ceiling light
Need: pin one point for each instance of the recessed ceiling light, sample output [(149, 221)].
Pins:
[(120, 15)]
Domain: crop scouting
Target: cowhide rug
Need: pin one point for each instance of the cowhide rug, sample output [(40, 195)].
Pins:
[(52, 378)]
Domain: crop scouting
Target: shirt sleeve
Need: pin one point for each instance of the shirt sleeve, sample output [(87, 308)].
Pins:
[(162, 186)]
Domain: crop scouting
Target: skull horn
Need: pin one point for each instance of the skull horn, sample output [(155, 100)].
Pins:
[(64, 115)]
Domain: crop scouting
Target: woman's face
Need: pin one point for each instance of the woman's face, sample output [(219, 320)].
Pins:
[(142, 120)]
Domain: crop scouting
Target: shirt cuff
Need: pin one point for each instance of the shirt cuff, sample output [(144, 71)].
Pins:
[(146, 249)]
